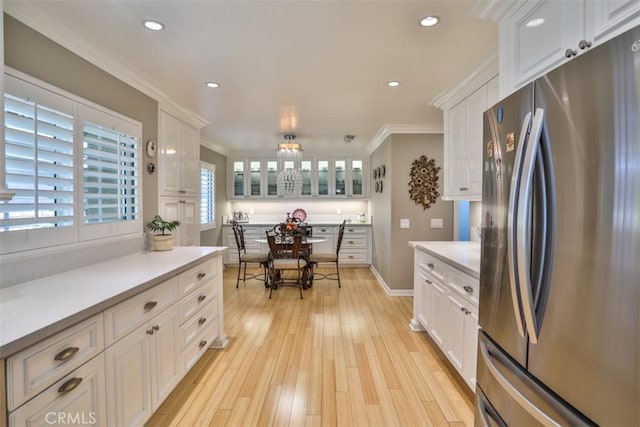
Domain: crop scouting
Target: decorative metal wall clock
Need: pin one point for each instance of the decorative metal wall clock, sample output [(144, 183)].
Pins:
[(423, 184)]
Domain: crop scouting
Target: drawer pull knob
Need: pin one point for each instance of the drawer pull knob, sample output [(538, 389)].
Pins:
[(150, 331), (351, 242), (429, 282), (66, 354), (151, 304), (468, 289), (201, 275), (430, 265), (350, 256), (202, 320), (464, 310), (202, 298), (202, 343), (69, 385), (156, 328)]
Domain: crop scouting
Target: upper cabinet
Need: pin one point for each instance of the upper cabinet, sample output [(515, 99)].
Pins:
[(537, 36), (178, 157), (322, 177)]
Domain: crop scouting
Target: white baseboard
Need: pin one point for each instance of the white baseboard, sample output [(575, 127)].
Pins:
[(387, 289), (415, 326)]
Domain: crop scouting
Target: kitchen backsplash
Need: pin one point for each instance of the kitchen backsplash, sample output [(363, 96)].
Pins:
[(317, 211), (23, 268)]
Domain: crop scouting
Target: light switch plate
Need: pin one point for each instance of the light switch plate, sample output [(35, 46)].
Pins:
[(405, 223), (437, 223)]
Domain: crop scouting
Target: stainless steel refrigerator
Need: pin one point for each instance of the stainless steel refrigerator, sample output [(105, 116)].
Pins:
[(560, 272)]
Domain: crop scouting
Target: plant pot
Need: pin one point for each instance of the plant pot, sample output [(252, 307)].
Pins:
[(163, 243)]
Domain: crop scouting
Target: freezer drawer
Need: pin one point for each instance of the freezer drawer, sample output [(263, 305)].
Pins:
[(517, 397)]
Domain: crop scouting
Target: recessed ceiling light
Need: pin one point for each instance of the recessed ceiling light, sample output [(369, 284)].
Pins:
[(429, 21), (153, 25), (212, 84), (393, 83), (535, 22)]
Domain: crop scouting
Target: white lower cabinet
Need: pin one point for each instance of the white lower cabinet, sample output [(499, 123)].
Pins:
[(448, 311), (143, 368), (117, 367), (78, 398)]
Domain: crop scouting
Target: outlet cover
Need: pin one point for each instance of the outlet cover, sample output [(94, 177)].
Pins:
[(437, 223), (405, 223)]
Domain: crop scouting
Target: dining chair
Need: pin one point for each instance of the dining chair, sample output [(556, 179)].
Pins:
[(246, 258), (286, 257), (316, 258)]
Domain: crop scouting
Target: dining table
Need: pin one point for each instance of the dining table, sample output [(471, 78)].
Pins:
[(306, 246)]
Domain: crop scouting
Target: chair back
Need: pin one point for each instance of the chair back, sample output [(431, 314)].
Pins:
[(340, 235), (238, 233), (278, 250)]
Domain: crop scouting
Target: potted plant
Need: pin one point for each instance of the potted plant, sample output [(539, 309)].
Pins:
[(162, 241)]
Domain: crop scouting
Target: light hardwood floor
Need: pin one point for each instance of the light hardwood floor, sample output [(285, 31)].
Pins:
[(338, 357)]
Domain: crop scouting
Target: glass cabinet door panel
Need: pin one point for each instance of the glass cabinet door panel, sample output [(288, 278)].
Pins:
[(305, 171), (238, 179), (357, 189), (272, 175), (323, 177), (254, 168), (340, 183)]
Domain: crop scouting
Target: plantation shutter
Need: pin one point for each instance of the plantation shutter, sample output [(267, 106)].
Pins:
[(39, 165), (207, 195), (111, 185)]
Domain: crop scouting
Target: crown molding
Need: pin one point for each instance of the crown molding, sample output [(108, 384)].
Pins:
[(35, 17), (487, 70), (387, 130), (491, 9), (211, 145)]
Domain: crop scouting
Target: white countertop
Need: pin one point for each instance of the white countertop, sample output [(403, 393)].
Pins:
[(34, 310), (465, 256)]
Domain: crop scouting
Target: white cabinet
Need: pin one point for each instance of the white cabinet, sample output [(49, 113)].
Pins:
[(179, 178), (76, 399), (446, 306), (322, 177), (187, 211), (537, 36), (178, 158), (356, 245), (63, 374), (348, 178), (463, 146)]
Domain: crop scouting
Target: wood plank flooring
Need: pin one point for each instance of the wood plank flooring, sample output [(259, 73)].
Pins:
[(343, 357)]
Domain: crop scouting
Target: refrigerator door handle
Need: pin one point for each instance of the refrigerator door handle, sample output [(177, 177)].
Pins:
[(523, 227), (525, 403), (512, 222), (488, 415)]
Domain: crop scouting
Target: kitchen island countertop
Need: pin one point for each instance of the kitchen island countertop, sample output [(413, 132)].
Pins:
[(32, 311), (464, 256)]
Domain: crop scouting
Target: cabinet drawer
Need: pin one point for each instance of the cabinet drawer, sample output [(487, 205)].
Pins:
[(201, 320), (353, 257), (323, 231), (465, 285), (195, 277), (352, 230), (198, 346), (128, 315), (434, 267), (192, 303), (84, 403), (36, 368), (353, 242)]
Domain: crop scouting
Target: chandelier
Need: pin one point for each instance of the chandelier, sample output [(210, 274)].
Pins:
[(289, 180)]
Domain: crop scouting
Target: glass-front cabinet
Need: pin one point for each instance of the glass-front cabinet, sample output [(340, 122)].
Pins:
[(348, 178), (322, 177)]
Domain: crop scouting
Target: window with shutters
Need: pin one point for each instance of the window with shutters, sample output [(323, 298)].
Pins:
[(207, 196), (74, 168)]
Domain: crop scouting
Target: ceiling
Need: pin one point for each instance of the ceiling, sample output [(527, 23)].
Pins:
[(317, 69)]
